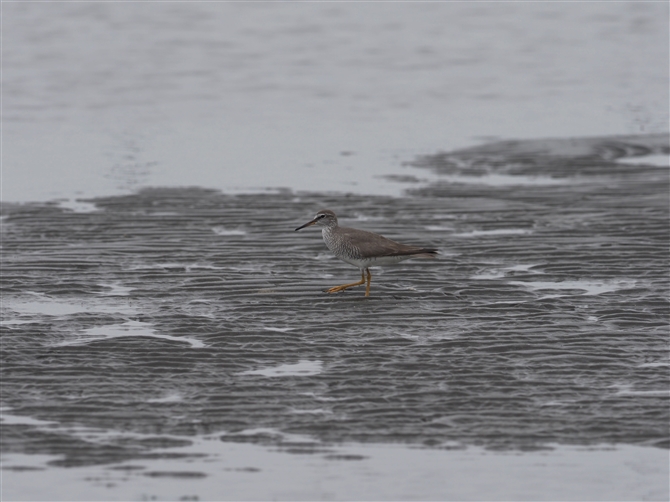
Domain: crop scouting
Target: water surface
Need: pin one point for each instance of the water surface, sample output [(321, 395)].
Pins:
[(105, 98), (175, 314), (165, 334)]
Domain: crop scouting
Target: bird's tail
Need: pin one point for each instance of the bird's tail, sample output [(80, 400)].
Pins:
[(425, 253)]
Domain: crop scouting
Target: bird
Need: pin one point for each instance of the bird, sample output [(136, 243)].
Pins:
[(361, 248)]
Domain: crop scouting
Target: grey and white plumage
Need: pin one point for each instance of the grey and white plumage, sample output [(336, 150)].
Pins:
[(361, 248)]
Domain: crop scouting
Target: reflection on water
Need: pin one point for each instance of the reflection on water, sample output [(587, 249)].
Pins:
[(105, 98), (211, 469)]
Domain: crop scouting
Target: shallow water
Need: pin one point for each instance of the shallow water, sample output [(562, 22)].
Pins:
[(210, 469), (176, 343), (106, 98), (544, 320)]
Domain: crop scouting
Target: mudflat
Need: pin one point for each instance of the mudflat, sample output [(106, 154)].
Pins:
[(186, 311)]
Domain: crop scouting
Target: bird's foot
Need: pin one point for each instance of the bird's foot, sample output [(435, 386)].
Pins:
[(337, 289)]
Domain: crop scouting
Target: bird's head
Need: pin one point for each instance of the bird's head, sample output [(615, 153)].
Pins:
[(324, 218)]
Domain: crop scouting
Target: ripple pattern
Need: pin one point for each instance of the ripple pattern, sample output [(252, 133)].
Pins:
[(545, 318)]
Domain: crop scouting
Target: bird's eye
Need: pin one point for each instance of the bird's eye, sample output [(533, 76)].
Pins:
[(321, 216)]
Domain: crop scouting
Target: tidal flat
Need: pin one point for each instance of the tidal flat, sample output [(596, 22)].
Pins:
[(182, 335)]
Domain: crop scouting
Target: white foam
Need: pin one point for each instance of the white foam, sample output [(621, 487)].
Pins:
[(169, 398), (505, 180), (127, 329), (173, 265), (503, 271), (654, 364), (116, 289), (302, 368), (589, 287), (316, 411), (443, 217), (523, 267), (490, 275), (493, 233), (61, 308), (321, 398), (78, 206), (23, 420), (13, 322), (269, 431), (228, 231), (651, 393), (555, 403), (649, 160), (280, 330)]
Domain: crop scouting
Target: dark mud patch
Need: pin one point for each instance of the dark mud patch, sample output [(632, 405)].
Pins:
[(175, 474), (176, 312)]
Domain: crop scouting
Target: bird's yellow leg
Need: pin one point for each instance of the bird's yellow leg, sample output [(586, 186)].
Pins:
[(367, 287), (345, 286)]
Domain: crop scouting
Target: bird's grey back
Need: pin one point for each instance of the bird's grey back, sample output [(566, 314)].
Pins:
[(361, 244)]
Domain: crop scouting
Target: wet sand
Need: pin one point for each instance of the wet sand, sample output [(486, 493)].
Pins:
[(182, 313)]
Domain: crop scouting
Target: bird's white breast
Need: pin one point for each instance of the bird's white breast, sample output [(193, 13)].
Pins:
[(372, 262)]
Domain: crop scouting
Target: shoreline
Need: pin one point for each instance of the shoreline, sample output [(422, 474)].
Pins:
[(209, 469)]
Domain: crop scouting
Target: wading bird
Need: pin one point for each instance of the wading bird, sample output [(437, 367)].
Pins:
[(362, 249)]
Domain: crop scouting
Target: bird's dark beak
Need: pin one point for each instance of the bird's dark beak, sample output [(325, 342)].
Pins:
[(307, 224)]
